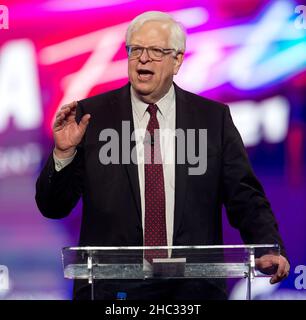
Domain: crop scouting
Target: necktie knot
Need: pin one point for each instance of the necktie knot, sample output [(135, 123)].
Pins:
[(152, 109)]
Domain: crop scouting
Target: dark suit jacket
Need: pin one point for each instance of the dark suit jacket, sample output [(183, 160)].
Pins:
[(111, 196)]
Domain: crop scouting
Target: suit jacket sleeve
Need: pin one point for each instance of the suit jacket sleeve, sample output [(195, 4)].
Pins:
[(58, 192), (246, 204)]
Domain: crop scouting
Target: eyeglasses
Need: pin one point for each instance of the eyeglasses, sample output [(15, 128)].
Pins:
[(154, 53)]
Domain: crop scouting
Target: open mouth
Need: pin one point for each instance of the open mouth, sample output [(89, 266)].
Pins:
[(144, 74)]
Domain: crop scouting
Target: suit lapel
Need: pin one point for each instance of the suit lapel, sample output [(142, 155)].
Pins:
[(183, 121), (124, 106)]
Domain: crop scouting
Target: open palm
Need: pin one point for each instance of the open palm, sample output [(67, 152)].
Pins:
[(66, 131)]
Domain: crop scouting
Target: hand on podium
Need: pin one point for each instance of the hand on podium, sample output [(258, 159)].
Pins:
[(277, 266)]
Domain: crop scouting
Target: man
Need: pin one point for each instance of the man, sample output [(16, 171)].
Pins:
[(157, 203)]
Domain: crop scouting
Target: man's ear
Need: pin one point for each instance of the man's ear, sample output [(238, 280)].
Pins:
[(178, 60)]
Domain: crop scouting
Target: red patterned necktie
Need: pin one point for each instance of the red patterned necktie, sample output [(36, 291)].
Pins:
[(155, 210)]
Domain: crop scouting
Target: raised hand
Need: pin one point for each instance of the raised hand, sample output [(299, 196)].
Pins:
[(67, 133)]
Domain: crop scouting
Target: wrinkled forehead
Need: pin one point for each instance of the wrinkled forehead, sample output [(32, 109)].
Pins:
[(151, 33)]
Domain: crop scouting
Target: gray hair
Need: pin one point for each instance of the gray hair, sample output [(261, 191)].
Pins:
[(177, 32)]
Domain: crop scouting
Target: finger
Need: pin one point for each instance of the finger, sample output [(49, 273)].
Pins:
[(70, 117), (67, 111), (287, 270), (277, 278), (64, 109), (59, 116), (84, 122), (274, 279), (281, 266), (73, 105), (68, 108), (62, 114), (59, 120), (282, 270), (287, 266), (58, 128)]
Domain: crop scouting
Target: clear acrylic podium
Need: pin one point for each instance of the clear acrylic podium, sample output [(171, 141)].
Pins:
[(226, 261)]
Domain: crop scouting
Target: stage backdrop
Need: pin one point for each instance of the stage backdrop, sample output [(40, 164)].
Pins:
[(249, 54)]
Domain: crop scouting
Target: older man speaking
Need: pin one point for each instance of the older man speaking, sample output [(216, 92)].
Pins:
[(152, 201)]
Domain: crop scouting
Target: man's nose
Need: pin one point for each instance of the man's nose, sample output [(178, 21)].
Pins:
[(144, 56)]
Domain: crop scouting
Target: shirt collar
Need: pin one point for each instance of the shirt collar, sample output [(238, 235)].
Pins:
[(164, 104)]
